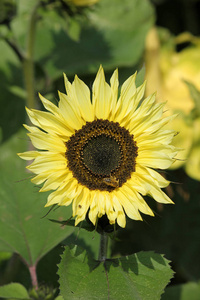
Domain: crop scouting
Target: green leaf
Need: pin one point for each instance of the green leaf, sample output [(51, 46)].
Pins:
[(14, 291), (22, 228), (139, 276), (188, 291), (59, 298), (103, 39), (84, 225), (7, 10), (21, 23), (4, 256), (86, 240), (195, 94), (140, 76), (12, 105)]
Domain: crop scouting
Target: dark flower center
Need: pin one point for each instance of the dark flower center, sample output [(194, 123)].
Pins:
[(101, 155)]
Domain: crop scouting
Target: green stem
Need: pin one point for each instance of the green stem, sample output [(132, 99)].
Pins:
[(28, 62), (103, 247)]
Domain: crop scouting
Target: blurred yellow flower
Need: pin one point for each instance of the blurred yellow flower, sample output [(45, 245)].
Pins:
[(166, 71), (83, 2)]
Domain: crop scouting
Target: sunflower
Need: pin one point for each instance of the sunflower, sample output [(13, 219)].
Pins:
[(100, 155)]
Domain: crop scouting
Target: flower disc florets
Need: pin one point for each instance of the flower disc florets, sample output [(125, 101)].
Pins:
[(101, 155)]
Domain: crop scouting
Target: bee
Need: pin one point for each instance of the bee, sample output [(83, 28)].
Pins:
[(111, 181)]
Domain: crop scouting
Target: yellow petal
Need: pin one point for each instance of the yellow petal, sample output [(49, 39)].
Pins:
[(114, 83), (47, 162), (82, 95), (49, 122), (101, 96), (136, 200), (121, 219), (55, 180), (42, 140), (29, 155), (49, 106), (130, 210), (154, 160), (69, 112)]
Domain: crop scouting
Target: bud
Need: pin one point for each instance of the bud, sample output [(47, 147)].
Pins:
[(42, 293)]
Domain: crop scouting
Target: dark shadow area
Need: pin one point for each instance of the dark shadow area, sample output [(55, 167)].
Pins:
[(47, 267), (173, 293), (71, 56), (12, 114), (14, 270), (130, 263), (179, 16), (79, 251)]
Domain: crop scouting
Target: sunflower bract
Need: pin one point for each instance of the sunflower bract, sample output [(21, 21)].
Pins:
[(98, 152)]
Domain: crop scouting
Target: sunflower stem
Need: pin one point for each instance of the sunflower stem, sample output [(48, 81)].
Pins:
[(28, 61), (103, 246), (33, 274)]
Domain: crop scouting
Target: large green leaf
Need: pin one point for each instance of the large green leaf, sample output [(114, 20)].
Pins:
[(141, 276), (14, 291), (22, 228), (112, 34), (188, 291)]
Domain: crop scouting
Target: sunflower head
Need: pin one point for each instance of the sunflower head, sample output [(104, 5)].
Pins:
[(99, 151)]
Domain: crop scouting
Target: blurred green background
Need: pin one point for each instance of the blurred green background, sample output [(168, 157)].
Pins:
[(39, 40)]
